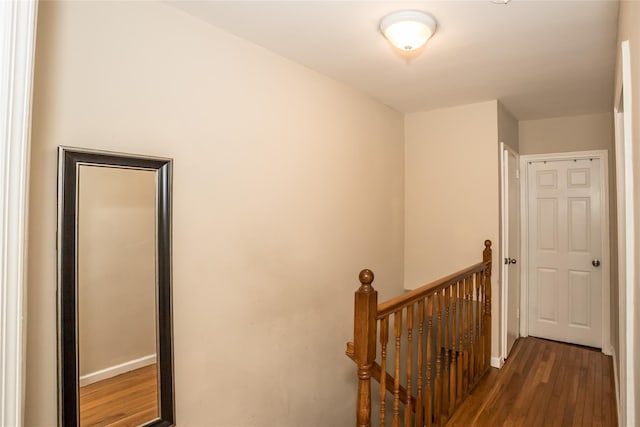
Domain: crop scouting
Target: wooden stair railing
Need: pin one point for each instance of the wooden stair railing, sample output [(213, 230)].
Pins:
[(452, 345)]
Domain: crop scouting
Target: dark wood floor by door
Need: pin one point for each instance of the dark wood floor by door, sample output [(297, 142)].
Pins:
[(127, 400), (544, 383)]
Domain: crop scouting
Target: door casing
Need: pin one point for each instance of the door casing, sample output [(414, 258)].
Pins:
[(18, 21), (603, 155), (623, 365)]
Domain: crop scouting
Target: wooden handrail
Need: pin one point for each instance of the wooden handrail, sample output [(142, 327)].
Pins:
[(454, 325), (411, 297)]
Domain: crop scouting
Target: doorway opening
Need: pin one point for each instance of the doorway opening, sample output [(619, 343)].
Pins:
[(565, 248)]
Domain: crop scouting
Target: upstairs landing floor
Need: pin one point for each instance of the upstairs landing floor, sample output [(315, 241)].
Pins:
[(543, 383)]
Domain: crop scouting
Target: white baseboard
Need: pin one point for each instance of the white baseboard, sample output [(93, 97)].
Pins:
[(497, 362), (616, 382), (113, 371), (607, 350)]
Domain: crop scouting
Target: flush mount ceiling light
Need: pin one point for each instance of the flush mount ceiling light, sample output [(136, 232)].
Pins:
[(408, 29)]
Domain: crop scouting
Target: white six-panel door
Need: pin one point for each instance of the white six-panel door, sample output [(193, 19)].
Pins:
[(511, 248), (513, 244), (565, 249)]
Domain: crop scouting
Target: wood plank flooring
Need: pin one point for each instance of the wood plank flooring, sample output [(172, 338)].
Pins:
[(126, 400), (543, 383)]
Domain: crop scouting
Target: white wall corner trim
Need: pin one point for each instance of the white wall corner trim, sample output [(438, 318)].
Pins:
[(17, 46)]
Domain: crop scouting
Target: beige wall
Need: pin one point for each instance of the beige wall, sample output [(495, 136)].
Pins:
[(286, 184), (116, 266), (451, 193), (508, 128), (561, 134), (628, 29)]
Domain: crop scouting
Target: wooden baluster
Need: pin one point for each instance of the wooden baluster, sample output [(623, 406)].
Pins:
[(463, 349), (472, 339), (447, 353), (482, 325), (437, 410), (364, 337), (454, 356), (419, 397), (485, 361), (428, 394), (459, 320), (486, 257), (473, 308), (397, 323), (407, 406), (465, 382), (384, 339), (479, 357), (479, 315)]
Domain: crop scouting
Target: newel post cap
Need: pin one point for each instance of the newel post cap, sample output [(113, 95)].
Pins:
[(366, 277)]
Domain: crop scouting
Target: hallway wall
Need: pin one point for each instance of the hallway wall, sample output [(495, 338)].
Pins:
[(286, 184), (572, 133), (508, 128)]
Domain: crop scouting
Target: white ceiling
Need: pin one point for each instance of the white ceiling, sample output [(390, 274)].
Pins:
[(540, 58)]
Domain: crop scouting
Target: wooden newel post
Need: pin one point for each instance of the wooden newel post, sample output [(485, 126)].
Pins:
[(364, 338), (486, 257)]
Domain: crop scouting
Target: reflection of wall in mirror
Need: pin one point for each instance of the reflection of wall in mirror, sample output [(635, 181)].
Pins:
[(116, 270)]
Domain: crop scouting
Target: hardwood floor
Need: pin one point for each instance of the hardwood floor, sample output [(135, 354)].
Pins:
[(127, 400), (543, 383)]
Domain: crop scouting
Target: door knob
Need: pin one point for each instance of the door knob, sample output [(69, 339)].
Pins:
[(595, 263), (513, 260)]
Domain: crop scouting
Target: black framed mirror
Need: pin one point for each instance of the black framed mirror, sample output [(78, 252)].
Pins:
[(115, 345)]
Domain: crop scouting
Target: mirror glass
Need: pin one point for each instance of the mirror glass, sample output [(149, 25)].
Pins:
[(114, 295)]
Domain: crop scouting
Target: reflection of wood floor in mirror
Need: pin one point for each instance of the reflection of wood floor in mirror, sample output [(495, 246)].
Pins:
[(126, 400)]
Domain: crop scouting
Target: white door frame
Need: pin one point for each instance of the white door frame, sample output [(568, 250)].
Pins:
[(17, 48), (623, 363), (603, 155), (503, 245)]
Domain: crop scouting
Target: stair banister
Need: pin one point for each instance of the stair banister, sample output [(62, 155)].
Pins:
[(454, 325)]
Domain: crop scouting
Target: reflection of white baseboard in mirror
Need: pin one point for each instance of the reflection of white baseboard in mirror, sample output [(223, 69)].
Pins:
[(116, 370)]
